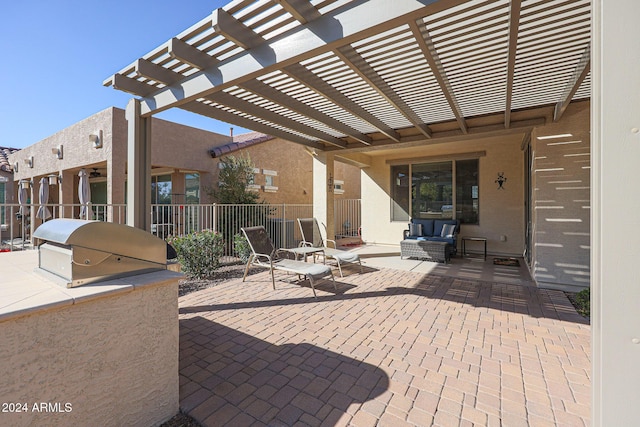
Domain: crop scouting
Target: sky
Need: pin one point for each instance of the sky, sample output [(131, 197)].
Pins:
[(56, 54)]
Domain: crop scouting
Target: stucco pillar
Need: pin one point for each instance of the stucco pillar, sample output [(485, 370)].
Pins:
[(67, 188), (323, 196), (615, 231), (138, 167), (116, 175)]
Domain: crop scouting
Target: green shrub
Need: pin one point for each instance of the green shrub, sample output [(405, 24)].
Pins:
[(241, 247), (583, 302), (199, 253)]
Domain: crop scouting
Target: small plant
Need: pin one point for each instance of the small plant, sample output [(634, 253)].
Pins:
[(199, 253), (583, 302), (241, 247)]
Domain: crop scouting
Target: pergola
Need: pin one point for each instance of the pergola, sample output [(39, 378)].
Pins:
[(345, 76)]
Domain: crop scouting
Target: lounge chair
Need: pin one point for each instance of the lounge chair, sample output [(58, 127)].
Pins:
[(263, 254), (311, 236)]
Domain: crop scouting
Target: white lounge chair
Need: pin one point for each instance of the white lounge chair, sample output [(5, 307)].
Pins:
[(311, 236), (263, 254)]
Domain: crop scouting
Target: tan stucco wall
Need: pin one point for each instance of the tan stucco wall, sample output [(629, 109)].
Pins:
[(294, 166), (113, 359), (501, 211), (561, 199)]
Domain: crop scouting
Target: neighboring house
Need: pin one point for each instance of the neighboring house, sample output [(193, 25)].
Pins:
[(284, 170), (98, 145), (7, 193)]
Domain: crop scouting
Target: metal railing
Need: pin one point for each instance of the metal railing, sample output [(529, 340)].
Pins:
[(180, 219)]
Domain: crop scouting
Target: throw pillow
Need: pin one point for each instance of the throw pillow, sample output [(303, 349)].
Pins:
[(415, 229), (448, 230)]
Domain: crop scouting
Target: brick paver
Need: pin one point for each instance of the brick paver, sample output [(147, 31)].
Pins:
[(390, 348)]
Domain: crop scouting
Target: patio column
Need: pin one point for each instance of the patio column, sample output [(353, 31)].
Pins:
[(138, 167), (323, 197), (615, 232), (67, 190)]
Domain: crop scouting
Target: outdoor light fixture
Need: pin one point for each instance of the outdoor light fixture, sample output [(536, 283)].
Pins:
[(15, 166), (29, 161), (54, 179), (57, 151), (96, 139), (25, 183)]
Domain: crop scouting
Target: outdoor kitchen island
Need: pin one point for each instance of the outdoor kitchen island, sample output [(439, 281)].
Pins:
[(99, 354)]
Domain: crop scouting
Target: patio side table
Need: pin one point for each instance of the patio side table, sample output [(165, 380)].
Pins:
[(474, 239)]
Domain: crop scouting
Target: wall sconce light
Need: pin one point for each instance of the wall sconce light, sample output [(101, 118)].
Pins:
[(96, 139), (54, 179), (25, 183), (57, 151), (29, 161), (15, 166)]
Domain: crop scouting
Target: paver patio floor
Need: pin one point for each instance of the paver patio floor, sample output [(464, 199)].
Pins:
[(390, 347)]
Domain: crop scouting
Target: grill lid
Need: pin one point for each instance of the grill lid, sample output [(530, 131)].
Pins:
[(104, 236)]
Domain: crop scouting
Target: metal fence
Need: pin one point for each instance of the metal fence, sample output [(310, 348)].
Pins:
[(181, 219)]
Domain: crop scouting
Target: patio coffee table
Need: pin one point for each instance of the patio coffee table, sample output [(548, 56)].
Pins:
[(425, 249)]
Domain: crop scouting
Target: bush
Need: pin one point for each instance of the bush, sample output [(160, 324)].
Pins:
[(199, 253), (241, 247), (583, 302)]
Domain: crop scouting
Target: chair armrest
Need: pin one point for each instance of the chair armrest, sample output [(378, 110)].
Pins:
[(258, 256), (305, 243), (332, 241)]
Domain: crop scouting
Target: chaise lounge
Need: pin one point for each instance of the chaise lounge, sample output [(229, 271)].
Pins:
[(263, 254)]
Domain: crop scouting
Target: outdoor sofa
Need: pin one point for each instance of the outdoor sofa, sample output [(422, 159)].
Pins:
[(430, 238)]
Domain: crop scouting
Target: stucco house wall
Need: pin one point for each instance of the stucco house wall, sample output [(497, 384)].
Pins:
[(501, 211), (561, 200), (293, 165)]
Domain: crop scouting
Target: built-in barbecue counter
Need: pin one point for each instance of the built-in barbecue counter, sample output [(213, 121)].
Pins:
[(89, 331)]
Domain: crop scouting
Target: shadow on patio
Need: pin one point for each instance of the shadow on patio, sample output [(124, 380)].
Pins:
[(234, 378)]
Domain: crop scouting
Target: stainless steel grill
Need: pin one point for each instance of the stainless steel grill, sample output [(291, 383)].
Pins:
[(77, 252)]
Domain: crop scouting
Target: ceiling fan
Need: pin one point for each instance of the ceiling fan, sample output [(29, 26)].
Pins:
[(95, 173)]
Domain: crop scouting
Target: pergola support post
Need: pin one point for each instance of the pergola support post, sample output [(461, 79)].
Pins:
[(138, 167), (615, 150), (323, 196)]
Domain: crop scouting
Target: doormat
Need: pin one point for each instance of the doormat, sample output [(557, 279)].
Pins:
[(509, 262)]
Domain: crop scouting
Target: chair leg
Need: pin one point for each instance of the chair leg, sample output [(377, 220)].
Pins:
[(360, 262), (312, 287), (273, 279), (339, 268), (334, 282), (246, 270)]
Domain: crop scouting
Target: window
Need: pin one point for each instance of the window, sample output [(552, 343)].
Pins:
[(161, 189), (338, 187), (427, 191), (192, 188)]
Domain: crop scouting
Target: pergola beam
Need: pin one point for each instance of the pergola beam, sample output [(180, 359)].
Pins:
[(275, 96), (132, 86), (321, 87), (235, 119), (362, 68), (190, 55), (302, 10), (425, 42), (155, 72), (514, 26), (257, 111), (232, 29), (579, 74), (331, 30)]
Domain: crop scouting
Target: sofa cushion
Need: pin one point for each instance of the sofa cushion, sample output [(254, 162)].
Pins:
[(427, 225), (415, 229), (437, 226), (448, 230)]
